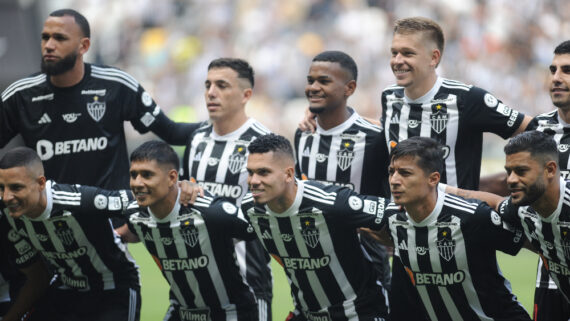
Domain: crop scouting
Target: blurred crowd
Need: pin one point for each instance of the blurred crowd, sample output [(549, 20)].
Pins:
[(504, 46)]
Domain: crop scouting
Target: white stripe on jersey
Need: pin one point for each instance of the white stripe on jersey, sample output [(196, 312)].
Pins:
[(132, 305), (66, 198), (23, 84), (451, 140), (361, 122), (115, 75), (318, 195)]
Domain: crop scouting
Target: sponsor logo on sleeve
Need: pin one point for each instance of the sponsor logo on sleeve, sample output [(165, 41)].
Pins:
[(146, 99), (490, 100), (114, 203), (229, 208), (147, 119), (495, 218), (355, 203), (370, 207)]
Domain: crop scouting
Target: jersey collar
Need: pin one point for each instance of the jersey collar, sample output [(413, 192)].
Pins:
[(172, 216), (49, 204), (296, 204), (340, 128), (432, 217), (428, 96), (235, 134)]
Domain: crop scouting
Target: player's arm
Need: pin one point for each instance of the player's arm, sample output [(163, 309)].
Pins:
[(493, 200), (500, 232), (173, 133), (309, 122), (37, 281), (495, 183), (189, 191), (523, 126), (7, 124)]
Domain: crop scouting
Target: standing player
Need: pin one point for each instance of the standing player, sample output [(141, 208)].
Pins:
[(345, 149), (548, 301), (69, 226), (217, 153), (72, 113), (23, 275), (310, 229), (193, 246), (439, 239)]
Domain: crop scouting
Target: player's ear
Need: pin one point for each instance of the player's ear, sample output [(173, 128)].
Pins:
[(42, 182), (435, 57), (247, 95), (172, 177), (349, 88), (551, 169), (290, 173), (434, 178), (84, 45)]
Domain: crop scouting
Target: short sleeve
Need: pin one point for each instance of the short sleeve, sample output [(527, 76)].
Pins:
[(18, 248), (357, 210), (498, 233), (485, 112)]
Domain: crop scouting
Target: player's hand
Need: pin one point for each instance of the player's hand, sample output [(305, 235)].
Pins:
[(309, 123), (189, 192), (126, 235)]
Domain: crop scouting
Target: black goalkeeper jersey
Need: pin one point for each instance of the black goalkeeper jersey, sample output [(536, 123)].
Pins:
[(316, 242), (454, 114), (78, 131), (75, 236), (193, 247)]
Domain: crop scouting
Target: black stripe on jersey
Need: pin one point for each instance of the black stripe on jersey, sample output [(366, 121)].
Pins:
[(415, 120), (346, 151), (324, 148)]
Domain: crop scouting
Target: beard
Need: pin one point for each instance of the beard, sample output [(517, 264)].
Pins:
[(533, 193), (316, 110), (54, 68)]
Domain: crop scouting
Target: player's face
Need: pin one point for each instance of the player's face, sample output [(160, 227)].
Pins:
[(21, 192), (267, 178), (225, 93), (560, 81), (413, 59), (327, 86), (62, 42), (150, 182), (409, 184), (525, 178)]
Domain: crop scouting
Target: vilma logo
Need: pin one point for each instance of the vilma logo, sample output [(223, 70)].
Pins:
[(96, 109)]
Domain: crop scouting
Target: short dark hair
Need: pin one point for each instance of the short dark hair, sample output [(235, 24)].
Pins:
[(271, 143), (421, 24), (156, 150), (240, 66), (80, 20), (20, 157), (541, 146), (345, 61), (562, 48), (427, 151)]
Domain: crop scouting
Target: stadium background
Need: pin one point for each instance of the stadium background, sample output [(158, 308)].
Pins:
[(504, 46)]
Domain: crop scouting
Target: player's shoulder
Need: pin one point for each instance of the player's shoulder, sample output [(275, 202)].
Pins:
[(257, 128), (321, 193), (461, 204), (113, 74), (456, 85), (394, 90), (366, 126), (25, 84)]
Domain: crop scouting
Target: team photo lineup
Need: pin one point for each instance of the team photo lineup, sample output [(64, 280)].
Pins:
[(369, 219)]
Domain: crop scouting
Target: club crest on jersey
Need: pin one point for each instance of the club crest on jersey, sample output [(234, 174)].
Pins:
[(237, 160), (345, 156), (438, 120), (565, 242), (64, 233), (309, 231), (446, 245), (96, 109), (189, 232)]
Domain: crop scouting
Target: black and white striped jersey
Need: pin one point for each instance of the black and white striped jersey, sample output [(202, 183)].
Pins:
[(450, 257), (78, 131), (218, 164), (194, 249), (75, 236), (352, 154), (550, 123), (316, 242), (15, 253), (549, 236), (454, 114)]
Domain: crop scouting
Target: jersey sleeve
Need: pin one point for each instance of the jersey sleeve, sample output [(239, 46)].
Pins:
[(498, 233), (234, 221), (532, 125), (357, 210), (484, 112), (17, 248), (8, 121), (109, 203), (375, 171)]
